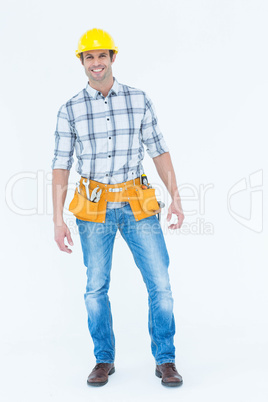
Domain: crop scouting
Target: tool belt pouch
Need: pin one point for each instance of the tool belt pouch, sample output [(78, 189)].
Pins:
[(148, 201), (82, 208)]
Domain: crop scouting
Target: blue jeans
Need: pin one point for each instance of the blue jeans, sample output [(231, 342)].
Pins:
[(146, 242)]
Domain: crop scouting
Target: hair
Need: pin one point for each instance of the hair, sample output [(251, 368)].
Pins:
[(110, 51)]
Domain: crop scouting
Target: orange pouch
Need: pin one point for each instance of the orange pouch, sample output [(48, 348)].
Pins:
[(81, 207), (148, 201)]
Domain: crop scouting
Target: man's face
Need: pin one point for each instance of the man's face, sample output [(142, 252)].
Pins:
[(97, 64)]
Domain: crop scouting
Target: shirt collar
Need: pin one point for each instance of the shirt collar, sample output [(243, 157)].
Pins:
[(94, 93)]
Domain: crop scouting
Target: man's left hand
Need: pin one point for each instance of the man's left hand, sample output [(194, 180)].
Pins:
[(175, 208)]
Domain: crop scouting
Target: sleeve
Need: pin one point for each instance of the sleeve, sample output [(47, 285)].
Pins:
[(64, 142), (151, 135)]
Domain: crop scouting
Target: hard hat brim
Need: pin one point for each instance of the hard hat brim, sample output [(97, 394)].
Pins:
[(78, 53)]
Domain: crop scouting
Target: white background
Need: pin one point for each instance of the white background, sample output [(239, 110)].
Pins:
[(204, 64)]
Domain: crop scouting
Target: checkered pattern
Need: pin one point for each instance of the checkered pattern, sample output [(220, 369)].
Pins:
[(107, 134)]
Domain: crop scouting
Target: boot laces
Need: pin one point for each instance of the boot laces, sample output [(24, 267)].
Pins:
[(172, 365), (100, 365)]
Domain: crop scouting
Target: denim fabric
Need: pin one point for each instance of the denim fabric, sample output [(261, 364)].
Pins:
[(146, 242)]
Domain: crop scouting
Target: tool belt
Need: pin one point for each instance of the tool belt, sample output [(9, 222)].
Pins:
[(143, 202)]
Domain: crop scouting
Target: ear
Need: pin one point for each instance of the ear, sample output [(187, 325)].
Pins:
[(113, 59)]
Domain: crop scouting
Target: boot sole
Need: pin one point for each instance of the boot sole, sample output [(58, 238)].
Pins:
[(167, 384), (99, 384)]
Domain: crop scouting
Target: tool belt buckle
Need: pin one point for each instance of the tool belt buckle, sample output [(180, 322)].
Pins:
[(115, 190)]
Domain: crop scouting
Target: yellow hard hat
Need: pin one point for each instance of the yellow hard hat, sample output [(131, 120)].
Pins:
[(95, 39)]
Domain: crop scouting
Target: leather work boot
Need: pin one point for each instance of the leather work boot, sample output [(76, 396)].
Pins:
[(168, 373), (99, 374)]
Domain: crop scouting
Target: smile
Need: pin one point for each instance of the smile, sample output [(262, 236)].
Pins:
[(97, 70)]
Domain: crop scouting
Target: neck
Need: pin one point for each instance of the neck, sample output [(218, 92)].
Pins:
[(104, 86)]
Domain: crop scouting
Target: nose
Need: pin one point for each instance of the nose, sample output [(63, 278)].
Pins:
[(95, 62), (95, 65)]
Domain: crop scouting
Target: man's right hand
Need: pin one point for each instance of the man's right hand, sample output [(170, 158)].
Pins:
[(60, 232)]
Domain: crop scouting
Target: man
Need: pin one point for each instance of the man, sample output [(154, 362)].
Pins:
[(107, 124)]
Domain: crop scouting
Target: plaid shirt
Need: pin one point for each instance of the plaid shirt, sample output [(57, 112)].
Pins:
[(107, 134)]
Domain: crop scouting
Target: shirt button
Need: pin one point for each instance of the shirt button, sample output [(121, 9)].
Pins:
[(108, 118), (110, 138), (107, 174), (109, 156), (105, 102)]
